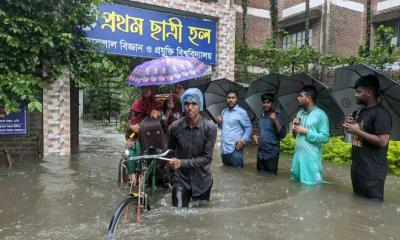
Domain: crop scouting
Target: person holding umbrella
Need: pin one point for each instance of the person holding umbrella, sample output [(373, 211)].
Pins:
[(236, 131), (271, 129), (371, 127), (311, 128)]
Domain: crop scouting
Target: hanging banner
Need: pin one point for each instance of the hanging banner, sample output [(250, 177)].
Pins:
[(14, 123), (139, 32)]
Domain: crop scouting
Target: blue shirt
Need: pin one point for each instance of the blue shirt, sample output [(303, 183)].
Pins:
[(236, 125), (269, 137)]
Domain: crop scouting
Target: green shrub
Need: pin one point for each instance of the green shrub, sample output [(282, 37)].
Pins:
[(338, 151), (288, 144), (394, 157)]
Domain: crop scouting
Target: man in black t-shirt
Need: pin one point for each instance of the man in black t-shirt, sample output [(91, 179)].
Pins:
[(371, 127)]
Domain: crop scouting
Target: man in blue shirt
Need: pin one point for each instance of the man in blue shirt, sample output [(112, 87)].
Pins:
[(271, 129), (236, 131)]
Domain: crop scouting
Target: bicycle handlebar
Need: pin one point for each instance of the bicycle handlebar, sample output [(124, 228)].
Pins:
[(161, 156)]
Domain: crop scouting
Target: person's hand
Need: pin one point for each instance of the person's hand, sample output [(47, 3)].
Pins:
[(349, 119), (255, 139), (175, 163), (296, 121), (352, 128), (155, 114), (135, 128), (300, 130), (272, 116), (239, 144), (220, 119)]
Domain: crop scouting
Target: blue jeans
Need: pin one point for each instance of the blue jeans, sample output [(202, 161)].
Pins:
[(234, 159)]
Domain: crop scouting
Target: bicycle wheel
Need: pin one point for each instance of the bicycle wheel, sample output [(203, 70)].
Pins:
[(125, 214)]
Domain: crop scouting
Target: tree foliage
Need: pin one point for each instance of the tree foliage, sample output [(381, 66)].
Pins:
[(284, 61), (307, 59), (383, 54), (39, 39)]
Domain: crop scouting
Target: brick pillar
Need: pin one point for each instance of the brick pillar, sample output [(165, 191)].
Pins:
[(56, 117)]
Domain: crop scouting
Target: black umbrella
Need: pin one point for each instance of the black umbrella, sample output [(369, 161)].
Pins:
[(266, 84), (344, 93), (215, 97), (200, 83), (288, 92)]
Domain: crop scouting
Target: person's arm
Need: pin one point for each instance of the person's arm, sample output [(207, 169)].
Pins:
[(322, 133), (208, 149), (247, 127), (381, 140), (256, 134), (382, 126), (220, 119), (282, 131)]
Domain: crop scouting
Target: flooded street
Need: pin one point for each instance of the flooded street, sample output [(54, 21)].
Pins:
[(74, 198)]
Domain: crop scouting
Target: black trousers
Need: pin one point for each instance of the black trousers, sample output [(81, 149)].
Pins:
[(366, 187), (269, 164), (181, 196)]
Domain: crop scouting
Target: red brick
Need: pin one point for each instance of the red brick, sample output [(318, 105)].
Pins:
[(345, 38), (258, 31)]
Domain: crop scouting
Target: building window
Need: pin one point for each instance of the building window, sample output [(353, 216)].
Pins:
[(297, 39)]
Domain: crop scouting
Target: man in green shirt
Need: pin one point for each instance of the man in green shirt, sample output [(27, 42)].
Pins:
[(311, 128)]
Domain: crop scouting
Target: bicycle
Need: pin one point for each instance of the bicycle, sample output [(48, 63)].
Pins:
[(137, 202)]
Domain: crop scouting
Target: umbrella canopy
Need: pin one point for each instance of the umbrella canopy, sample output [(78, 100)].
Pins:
[(166, 70), (215, 97), (344, 93), (288, 92), (200, 83), (266, 84)]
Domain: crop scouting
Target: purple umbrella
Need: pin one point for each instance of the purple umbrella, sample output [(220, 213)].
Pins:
[(166, 70)]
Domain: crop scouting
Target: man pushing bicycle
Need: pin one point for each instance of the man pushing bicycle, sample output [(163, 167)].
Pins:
[(193, 139)]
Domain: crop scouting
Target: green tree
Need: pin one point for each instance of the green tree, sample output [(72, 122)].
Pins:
[(382, 54), (41, 38)]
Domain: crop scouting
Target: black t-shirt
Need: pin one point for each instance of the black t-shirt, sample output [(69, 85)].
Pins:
[(369, 160)]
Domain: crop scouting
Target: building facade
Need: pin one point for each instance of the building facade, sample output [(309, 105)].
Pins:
[(336, 26), (56, 131)]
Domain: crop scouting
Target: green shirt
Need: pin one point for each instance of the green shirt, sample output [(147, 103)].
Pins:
[(307, 160)]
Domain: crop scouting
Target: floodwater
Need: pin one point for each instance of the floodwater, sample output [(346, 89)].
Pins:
[(74, 198)]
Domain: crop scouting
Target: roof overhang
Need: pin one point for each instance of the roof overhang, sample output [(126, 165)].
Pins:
[(299, 18)]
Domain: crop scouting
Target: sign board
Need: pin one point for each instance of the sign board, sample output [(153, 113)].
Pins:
[(14, 123), (137, 32)]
